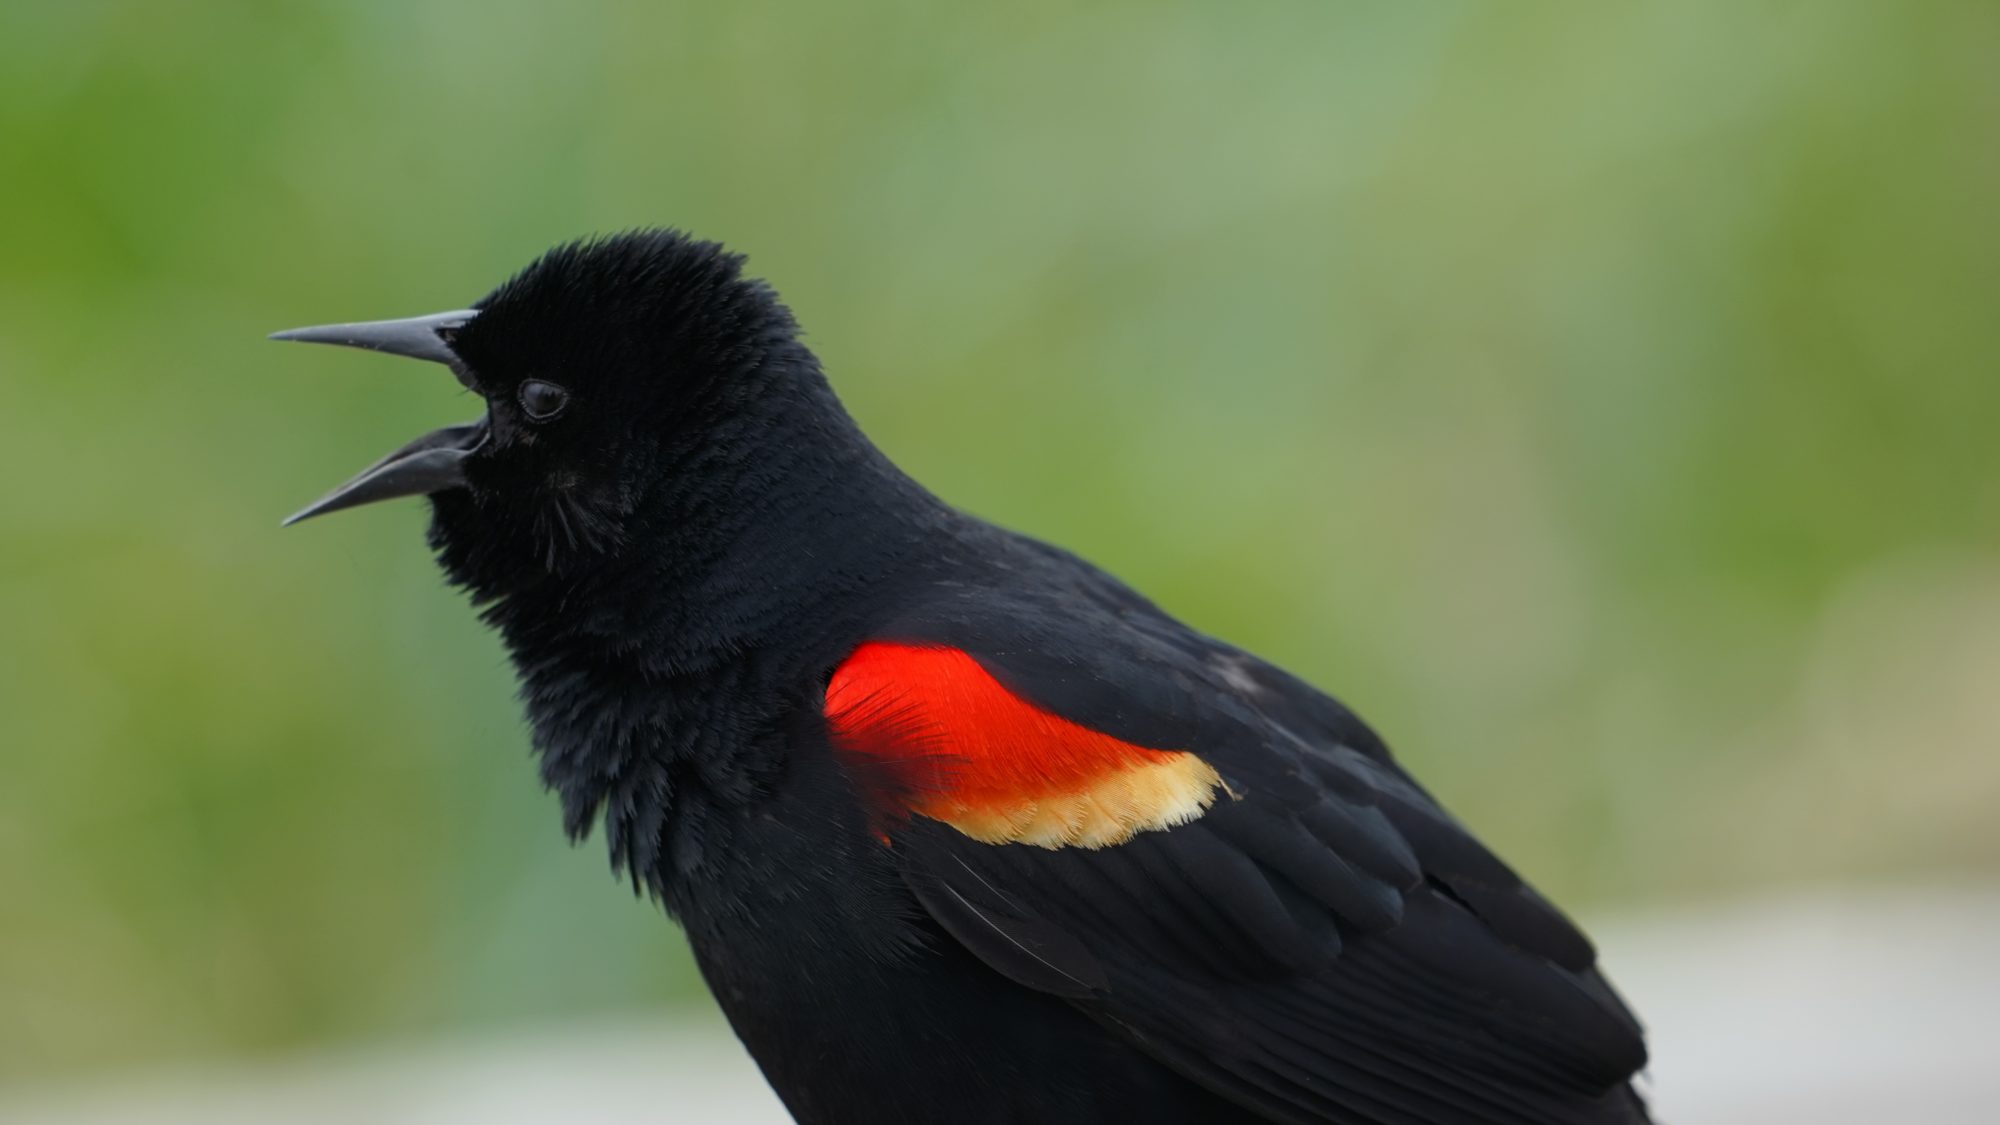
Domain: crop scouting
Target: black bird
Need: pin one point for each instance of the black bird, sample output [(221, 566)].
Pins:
[(960, 827)]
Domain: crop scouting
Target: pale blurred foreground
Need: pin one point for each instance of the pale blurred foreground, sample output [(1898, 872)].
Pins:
[(1831, 1008)]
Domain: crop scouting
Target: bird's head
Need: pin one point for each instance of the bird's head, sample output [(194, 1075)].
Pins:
[(605, 367)]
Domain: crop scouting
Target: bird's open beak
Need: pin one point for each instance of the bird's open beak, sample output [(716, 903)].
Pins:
[(432, 463)]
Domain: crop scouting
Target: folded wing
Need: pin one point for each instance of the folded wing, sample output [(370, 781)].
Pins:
[(1222, 864)]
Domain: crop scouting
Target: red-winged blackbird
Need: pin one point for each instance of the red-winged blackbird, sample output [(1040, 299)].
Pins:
[(961, 828)]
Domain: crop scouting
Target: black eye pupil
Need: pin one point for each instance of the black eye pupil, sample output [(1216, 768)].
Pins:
[(542, 401)]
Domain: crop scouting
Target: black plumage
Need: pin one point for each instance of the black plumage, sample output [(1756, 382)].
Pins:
[(681, 536)]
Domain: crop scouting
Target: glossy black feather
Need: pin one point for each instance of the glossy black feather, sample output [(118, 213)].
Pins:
[(1354, 955), (679, 560)]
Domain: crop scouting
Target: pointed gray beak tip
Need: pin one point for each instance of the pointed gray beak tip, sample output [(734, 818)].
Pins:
[(418, 337)]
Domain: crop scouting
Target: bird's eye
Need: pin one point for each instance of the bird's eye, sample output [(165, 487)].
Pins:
[(542, 401)]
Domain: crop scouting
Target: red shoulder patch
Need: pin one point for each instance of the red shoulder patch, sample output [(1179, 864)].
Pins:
[(954, 745)]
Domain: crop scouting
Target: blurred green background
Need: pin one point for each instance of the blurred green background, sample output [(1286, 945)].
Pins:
[(1602, 399)]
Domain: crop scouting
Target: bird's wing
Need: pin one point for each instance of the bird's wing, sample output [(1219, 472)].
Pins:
[(1224, 865)]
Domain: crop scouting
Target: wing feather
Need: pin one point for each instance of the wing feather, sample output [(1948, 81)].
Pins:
[(1320, 943)]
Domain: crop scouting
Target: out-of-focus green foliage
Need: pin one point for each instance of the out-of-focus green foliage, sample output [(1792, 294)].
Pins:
[(1602, 399)]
